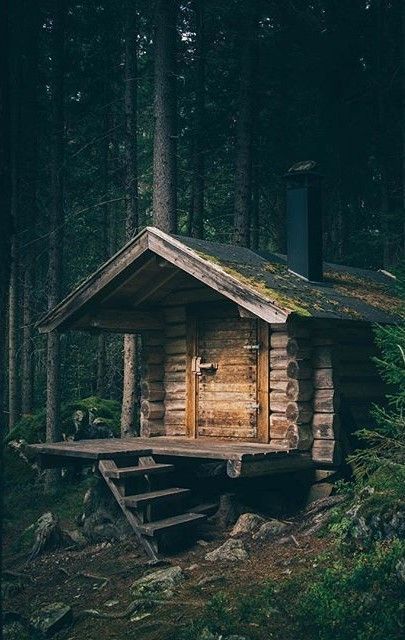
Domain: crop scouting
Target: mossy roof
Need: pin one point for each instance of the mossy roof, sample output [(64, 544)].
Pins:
[(346, 293), (258, 282)]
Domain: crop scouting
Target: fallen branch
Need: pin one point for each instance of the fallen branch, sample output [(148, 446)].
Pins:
[(131, 608), (93, 576)]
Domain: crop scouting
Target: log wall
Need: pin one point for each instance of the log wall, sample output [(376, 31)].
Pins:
[(175, 371), (290, 387), (152, 384)]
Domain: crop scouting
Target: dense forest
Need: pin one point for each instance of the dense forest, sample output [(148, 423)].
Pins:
[(185, 115)]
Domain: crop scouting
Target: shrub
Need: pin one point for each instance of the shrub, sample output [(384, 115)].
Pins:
[(31, 428)]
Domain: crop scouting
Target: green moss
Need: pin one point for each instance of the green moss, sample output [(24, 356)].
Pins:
[(294, 295), (31, 428), (258, 284)]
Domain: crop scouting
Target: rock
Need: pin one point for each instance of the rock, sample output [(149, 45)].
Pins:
[(47, 534), (228, 511), (269, 530), (373, 520), (202, 543), (111, 603), (77, 537), (231, 551), (158, 583), (52, 618), (247, 523), (192, 567)]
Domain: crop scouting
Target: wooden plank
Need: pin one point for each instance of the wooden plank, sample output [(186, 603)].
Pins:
[(263, 372), (269, 466), (104, 467), (327, 452), (116, 270), (120, 321), (191, 382), (120, 473), (214, 276), (154, 497), (175, 522)]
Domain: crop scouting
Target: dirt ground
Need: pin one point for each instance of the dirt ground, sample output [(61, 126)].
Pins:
[(99, 577)]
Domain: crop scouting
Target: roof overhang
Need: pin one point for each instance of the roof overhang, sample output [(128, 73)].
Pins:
[(123, 266)]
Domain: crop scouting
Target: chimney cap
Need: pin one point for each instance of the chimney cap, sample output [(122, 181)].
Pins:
[(305, 166)]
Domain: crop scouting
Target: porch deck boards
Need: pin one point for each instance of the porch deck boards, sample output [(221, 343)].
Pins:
[(162, 446)]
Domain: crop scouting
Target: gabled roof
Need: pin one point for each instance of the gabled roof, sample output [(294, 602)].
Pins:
[(259, 283)]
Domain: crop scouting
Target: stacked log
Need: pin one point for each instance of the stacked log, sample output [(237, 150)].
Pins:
[(326, 447), (152, 388), (291, 388), (360, 383), (175, 371)]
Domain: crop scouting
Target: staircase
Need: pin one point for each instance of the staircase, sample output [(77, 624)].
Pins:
[(155, 512)]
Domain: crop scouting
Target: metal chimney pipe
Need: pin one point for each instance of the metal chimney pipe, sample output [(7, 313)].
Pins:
[(304, 221)]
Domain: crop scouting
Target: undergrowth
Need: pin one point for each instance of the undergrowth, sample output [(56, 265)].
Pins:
[(31, 427)]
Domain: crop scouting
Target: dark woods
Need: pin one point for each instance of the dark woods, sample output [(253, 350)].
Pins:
[(184, 115)]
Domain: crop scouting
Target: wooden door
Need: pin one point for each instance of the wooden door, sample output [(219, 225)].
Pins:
[(226, 392)]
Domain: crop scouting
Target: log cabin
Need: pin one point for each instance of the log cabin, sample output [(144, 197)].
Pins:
[(262, 361)]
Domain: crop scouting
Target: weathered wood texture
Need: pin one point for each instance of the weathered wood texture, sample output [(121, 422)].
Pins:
[(175, 370), (227, 395), (152, 388), (291, 387)]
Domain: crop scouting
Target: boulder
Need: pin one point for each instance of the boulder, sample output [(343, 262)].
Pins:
[(231, 551), (247, 523), (270, 530), (52, 618), (228, 511), (159, 583)]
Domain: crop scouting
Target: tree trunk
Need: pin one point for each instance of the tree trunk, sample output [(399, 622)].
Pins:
[(53, 433), (5, 187), (244, 135), (13, 391), (403, 125), (255, 221), (131, 203), (164, 149), (29, 209), (197, 201), (101, 385)]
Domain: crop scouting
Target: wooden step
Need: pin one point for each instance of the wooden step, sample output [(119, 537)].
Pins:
[(160, 526), (155, 496), (208, 508), (130, 472)]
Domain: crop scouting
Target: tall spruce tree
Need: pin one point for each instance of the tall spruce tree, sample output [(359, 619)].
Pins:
[(165, 109), (53, 383)]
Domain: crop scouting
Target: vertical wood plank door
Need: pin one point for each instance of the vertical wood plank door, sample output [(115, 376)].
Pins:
[(226, 402)]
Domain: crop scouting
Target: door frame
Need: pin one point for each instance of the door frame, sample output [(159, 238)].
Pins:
[(262, 379)]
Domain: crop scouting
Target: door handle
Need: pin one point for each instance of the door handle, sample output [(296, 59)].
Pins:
[(197, 366)]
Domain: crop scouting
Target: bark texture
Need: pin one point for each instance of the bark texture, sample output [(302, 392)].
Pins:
[(5, 186), (165, 139), (56, 224), (131, 201), (29, 208), (197, 191), (244, 135)]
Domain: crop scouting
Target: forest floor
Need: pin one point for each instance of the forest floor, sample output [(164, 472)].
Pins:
[(99, 577)]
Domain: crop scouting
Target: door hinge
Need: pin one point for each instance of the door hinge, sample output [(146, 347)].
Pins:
[(252, 347), (253, 406)]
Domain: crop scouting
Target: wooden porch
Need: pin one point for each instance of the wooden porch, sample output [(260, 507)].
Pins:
[(242, 459)]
